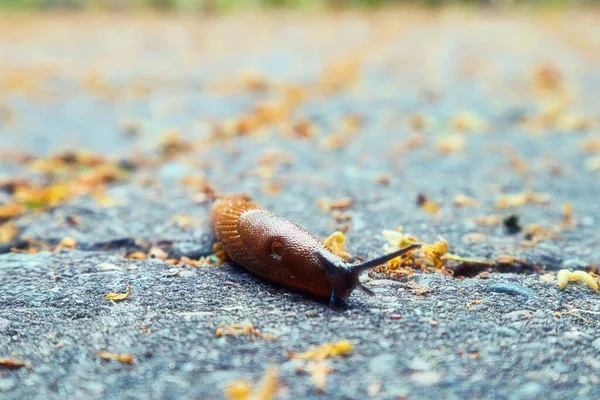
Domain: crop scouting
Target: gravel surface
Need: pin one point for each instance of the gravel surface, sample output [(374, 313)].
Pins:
[(296, 110)]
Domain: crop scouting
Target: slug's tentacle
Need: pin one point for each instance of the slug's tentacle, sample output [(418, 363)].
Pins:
[(359, 268), (365, 289), (341, 274)]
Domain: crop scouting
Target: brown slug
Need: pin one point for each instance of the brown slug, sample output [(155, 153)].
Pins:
[(280, 251)]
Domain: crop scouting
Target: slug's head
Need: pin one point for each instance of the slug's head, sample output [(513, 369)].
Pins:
[(344, 278)]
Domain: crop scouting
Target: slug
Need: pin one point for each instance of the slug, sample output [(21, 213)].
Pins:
[(280, 251)]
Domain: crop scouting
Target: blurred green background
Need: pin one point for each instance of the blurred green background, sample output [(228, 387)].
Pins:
[(224, 5)]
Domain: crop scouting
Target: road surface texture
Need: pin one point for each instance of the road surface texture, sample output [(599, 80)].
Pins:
[(478, 127)]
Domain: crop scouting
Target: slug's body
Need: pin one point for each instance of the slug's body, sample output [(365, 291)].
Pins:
[(280, 251)]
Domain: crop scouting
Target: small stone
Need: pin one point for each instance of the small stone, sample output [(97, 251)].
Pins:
[(187, 274), (7, 384), (94, 388), (577, 336), (418, 364), (4, 323), (106, 266), (396, 316), (517, 315), (503, 331), (383, 365), (529, 390), (596, 344), (511, 289), (426, 378), (173, 272)]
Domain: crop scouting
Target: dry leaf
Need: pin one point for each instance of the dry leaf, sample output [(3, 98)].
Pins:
[(136, 255), (462, 200), (238, 390), (67, 243), (158, 253), (427, 205), (122, 358), (8, 211), (119, 296), (8, 232), (266, 389), (336, 243), (450, 144), (183, 221), (243, 330), (327, 350), (319, 370), (520, 199)]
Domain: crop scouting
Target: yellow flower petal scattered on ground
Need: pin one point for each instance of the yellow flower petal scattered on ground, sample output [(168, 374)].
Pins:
[(450, 144), (520, 199), (433, 253), (462, 200), (319, 370), (67, 243), (122, 358), (427, 205), (243, 330), (565, 276), (136, 255), (336, 243), (8, 232), (327, 350), (8, 211), (119, 296), (467, 121), (266, 389), (183, 221), (238, 390)]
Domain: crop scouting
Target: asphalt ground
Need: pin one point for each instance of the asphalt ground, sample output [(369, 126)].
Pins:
[(119, 131)]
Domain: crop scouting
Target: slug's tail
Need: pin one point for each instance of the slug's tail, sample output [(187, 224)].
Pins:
[(227, 210)]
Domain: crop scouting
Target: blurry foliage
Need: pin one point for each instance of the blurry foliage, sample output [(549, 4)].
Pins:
[(226, 5)]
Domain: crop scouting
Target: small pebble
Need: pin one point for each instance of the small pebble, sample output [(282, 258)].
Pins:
[(511, 289), (426, 378), (396, 316), (530, 390), (106, 266), (517, 315)]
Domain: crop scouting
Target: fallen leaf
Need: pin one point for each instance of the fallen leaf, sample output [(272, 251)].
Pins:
[(119, 296), (8, 232), (319, 370), (238, 390), (67, 243), (136, 255), (327, 350), (462, 200), (8, 211), (266, 389), (122, 358), (243, 330), (336, 243)]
